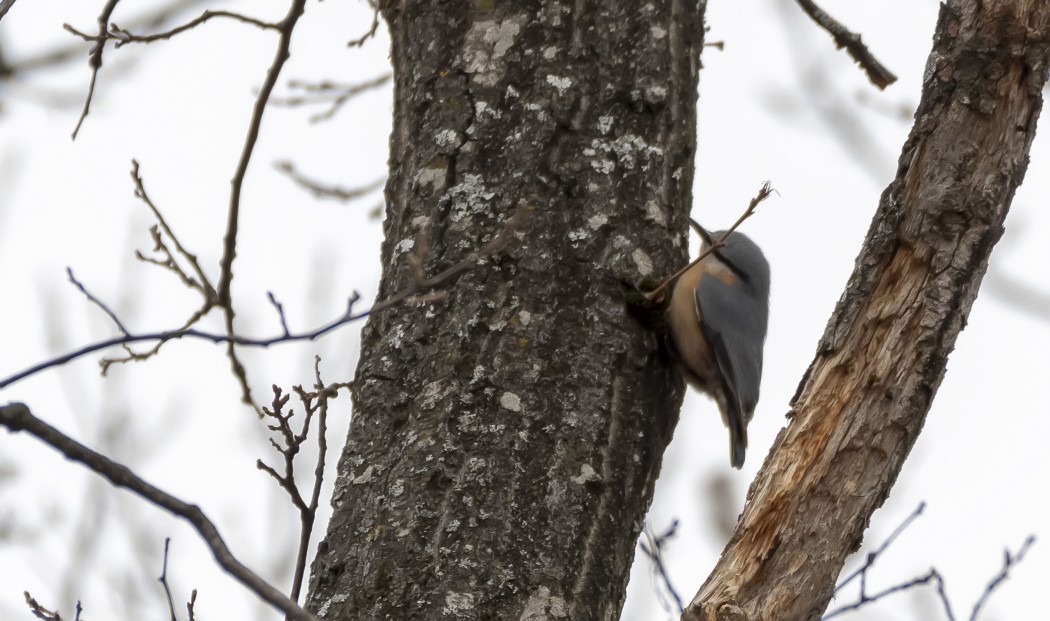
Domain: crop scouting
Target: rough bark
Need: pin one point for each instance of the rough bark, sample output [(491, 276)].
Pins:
[(864, 399), (506, 438)]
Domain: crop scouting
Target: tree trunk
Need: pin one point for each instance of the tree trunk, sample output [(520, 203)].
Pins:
[(507, 436), (864, 399)]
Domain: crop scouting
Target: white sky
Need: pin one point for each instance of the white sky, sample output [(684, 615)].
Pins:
[(780, 103)]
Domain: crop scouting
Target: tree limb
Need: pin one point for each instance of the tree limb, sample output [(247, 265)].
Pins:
[(864, 399), (17, 417), (879, 75)]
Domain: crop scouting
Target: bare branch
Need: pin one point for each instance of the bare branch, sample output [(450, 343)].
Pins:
[(94, 300), (94, 57), (654, 551), (314, 403), (202, 283), (43, 613), (358, 42), (873, 556), (66, 53), (190, 604), (1008, 562), (286, 26), (319, 190), (336, 95), (163, 580), (932, 576), (879, 75), (17, 417), (5, 6), (763, 194), (169, 335), (123, 37), (412, 293), (280, 312)]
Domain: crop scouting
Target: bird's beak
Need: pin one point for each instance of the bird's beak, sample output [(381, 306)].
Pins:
[(704, 234)]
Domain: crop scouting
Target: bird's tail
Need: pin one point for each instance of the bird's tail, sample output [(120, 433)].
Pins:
[(737, 438)]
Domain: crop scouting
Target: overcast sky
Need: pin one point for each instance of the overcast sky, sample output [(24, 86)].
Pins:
[(779, 103)]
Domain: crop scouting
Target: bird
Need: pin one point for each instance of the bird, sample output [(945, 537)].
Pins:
[(717, 320)]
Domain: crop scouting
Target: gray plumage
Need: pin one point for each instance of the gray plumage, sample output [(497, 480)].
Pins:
[(720, 344)]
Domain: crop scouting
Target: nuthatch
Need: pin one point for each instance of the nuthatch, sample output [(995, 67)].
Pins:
[(717, 317)]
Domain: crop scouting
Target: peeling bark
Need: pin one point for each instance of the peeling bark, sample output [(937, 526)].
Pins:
[(506, 438), (865, 397)]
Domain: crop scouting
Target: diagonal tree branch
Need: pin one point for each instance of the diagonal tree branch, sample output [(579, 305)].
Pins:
[(5, 6), (879, 75), (17, 417), (95, 59), (865, 397), (286, 26)]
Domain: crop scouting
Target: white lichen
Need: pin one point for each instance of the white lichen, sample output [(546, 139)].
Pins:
[(458, 603), (657, 32), (446, 137), (577, 235), (605, 123), (654, 213), (642, 262), (486, 44), (365, 477), (432, 178), (587, 475), (598, 221), (483, 111), (469, 197), (562, 84), (510, 401)]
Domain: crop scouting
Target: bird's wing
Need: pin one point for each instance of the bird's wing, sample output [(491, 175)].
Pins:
[(734, 325)]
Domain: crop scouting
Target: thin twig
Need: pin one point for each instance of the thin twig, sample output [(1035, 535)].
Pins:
[(64, 53), (97, 302), (873, 556), (225, 301), (336, 95), (371, 30), (280, 312), (713, 246), (17, 417), (169, 335), (202, 283), (319, 190), (163, 579), (864, 599), (932, 576), (879, 75), (1008, 562), (94, 57), (655, 553), (190, 604), (314, 403), (39, 611), (123, 37), (411, 293), (315, 494)]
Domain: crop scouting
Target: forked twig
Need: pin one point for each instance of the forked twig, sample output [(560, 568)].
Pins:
[(17, 417), (879, 75), (763, 194)]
